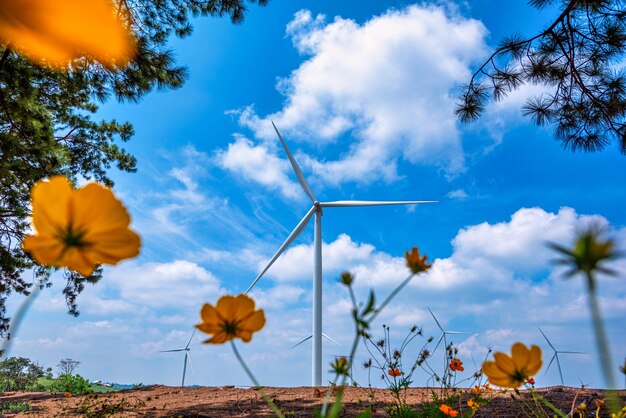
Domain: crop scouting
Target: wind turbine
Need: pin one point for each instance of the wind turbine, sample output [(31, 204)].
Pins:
[(186, 350), (443, 332), (556, 356), (317, 253)]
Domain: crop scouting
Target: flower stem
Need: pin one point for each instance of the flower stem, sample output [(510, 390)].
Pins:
[(391, 296), (266, 398), (601, 341)]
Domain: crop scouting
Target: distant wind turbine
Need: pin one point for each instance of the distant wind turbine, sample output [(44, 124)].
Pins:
[(443, 332), (187, 357), (317, 253), (556, 356)]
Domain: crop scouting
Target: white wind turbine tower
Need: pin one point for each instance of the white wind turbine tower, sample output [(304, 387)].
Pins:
[(316, 379), (186, 349)]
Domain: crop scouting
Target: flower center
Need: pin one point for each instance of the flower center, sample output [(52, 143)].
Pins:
[(230, 327), (72, 238), (520, 376)]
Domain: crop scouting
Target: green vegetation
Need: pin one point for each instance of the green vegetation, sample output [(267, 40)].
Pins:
[(19, 373), (14, 407)]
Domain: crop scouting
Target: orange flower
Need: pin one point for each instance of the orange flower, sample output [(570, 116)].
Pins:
[(79, 229), (55, 32), (473, 405), (416, 263), (394, 372), (448, 411), (456, 365), (232, 317), (477, 390), (513, 371)]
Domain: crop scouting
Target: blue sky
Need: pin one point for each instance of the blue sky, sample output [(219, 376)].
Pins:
[(363, 92)]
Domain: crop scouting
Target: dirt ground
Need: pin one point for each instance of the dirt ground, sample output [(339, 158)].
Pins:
[(228, 401)]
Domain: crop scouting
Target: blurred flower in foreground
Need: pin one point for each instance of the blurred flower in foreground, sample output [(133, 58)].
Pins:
[(590, 250), (448, 411), (79, 229), (513, 371), (456, 365), (340, 367), (416, 263), (394, 372), (56, 31), (232, 317)]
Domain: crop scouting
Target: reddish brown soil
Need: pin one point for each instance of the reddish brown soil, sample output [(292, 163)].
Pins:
[(164, 401)]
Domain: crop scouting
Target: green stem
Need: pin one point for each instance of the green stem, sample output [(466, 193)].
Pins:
[(603, 346), (391, 296), (266, 398)]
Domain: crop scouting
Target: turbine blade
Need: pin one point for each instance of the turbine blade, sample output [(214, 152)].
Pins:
[(296, 167), (347, 203), (306, 339), (191, 338), (439, 342), (438, 324), (171, 351), (544, 336), (294, 234), (456, 332), (550, 364), (572, 352), (330, 339)]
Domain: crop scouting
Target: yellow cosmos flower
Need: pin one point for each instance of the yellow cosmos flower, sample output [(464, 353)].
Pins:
[(79, 229), (416, 263), (513, 371), (232, 317), (56, 31)]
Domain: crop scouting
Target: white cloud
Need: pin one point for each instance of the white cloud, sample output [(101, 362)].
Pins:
[(387, 84), (257, 163), (458, 194), (156, 285)]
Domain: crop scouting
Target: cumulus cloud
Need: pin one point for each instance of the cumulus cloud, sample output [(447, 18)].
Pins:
[(257, 163), (157, 285), (383, 90)]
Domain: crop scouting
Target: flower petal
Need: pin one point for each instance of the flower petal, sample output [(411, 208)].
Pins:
[(505, 363), (504, 383), (254, 322), (78, 261), (208, 314), (520, 356), (491, 369), (44, 249), (50, 201), (226, 307), (244, 306), (58, 31), (120, 245), (96, 209), (534, 363)]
